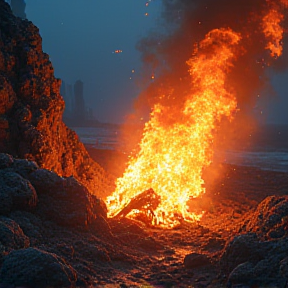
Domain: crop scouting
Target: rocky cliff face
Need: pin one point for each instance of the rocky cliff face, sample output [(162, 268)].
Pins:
[(31, 107)]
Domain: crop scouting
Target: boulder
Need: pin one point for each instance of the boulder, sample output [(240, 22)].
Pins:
[(15, 192), (270, 219), (6, 160), (65, 201), (24, 167), (195, 260), (33, 267), (31, 225), (11, 235), (241, 249), (248, 261), (242, 274)]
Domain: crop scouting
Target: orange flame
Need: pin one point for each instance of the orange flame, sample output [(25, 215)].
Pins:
[(177, 142), (272, 28), (172, 156)]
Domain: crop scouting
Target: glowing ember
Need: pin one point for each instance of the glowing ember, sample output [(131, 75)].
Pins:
[(172, 156)]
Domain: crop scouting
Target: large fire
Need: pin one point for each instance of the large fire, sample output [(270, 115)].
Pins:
[(176, 147)]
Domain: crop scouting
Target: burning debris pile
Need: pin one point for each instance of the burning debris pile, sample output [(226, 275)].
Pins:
[(179, 139)]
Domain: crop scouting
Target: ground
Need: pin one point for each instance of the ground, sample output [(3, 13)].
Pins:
[(159, 254)]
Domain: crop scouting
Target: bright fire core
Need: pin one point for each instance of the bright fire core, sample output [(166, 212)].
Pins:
[(173, 155), (177, 142)]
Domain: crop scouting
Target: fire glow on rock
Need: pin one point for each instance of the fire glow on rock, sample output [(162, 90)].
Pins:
[(174, 153)]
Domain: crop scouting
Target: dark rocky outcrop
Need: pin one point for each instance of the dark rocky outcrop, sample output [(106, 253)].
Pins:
[(259, 257), (31, 107), (15, 192), (62, 200), (40, 208), (36, 268), (270, 219), (11, 235)]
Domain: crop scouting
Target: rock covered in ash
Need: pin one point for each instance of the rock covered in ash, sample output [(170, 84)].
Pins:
[(270, 219), (33, 267), (241, 249), (268, 270), (195, 260), (41, 211), (15, 192), (11, 235), (259, 257), (31, 108), (63, 200), (30, 224)]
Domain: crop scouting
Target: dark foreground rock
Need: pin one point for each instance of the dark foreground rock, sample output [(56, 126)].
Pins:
[(194, 260), (35, 268), (260, 256)]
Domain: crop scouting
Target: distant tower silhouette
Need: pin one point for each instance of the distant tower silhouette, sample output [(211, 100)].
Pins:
[(70, 98), (79, 100), (18, 8)]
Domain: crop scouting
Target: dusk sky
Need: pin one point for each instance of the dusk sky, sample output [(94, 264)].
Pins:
[(81, 36)]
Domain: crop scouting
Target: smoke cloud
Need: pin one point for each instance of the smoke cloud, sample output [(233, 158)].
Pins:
[(185, 24), (190, 21)]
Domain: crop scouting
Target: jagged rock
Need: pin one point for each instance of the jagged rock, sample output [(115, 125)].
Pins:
[(65, 200), (11, 235), (270, 218), (24, 167), (247, 260), (36, 268), (195, 260), (46, 181), (259, 256), (242, 274), (30, 224), (31, 108), (6, 160), (15, 192), (241, 249)]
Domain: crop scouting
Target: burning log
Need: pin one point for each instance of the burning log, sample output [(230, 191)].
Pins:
[(147, 200)]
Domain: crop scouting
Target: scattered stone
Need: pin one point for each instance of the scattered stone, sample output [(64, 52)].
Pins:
[(195, 260)]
